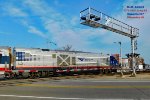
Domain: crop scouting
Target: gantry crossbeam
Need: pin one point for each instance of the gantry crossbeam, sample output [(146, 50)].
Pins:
[(97, 19)]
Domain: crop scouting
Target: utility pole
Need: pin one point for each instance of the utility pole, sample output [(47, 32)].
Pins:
[(133, 56), (120, 57), (120, 53)]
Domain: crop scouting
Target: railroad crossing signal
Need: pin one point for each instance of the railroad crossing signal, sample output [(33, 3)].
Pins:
[(96, 19)]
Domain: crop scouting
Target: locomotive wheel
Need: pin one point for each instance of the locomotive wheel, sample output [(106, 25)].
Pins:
[(40, 74), (101, 71), (7, 75), (106, 71), (32, 75), (46, 74)]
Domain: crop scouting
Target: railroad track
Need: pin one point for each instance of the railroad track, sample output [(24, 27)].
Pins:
[(15, 82)]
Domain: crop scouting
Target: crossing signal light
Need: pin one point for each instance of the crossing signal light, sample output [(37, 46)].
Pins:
[(83, 18), (97, 18), (92, 16)]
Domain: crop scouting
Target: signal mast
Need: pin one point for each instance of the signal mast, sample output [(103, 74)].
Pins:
[(96, 19)]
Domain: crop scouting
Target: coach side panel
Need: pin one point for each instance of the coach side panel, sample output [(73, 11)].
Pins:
[(32, 59), (5, 59)]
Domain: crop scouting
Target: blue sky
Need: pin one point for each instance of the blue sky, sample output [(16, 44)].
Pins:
[(30, 23)]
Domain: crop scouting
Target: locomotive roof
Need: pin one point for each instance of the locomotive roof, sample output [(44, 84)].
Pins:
[(56, 50), (4, 47)]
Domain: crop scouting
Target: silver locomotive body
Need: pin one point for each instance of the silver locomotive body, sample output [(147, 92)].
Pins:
[(44, 59)]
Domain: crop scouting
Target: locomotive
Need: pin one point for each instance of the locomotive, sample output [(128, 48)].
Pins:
[(36, 62)]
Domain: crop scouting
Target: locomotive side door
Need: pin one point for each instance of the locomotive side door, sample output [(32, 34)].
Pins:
[(63, 60)]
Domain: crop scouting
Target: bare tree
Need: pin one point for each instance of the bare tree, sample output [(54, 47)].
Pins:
[(67, 48)]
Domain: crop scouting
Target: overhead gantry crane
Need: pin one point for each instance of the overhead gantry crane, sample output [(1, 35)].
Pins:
[(96, 19)]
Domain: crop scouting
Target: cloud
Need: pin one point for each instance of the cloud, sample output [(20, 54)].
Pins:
[(54, 24), (74, 20), (63, 31), (34, 30), (142, 24), (14, 11)]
